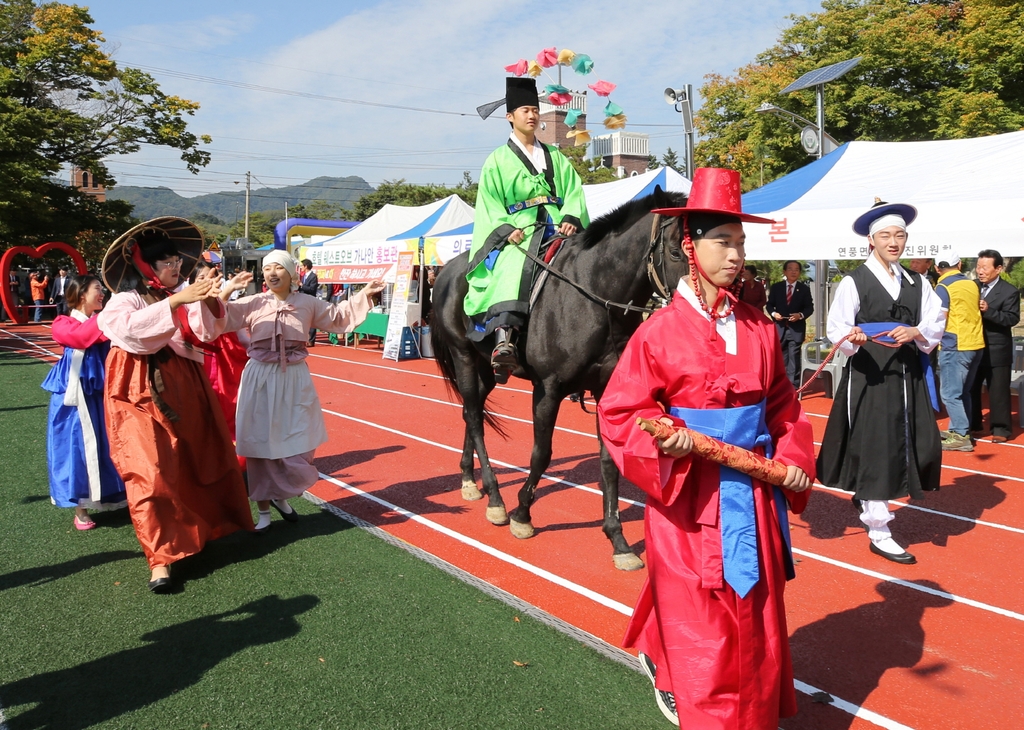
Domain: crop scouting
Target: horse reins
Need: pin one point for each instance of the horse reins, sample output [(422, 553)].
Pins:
[(835, 348)]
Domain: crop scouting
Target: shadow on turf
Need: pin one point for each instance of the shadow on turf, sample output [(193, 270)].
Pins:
[(25, 408), (49, 573), (175, 658), (831, 515), (845, 651), (244, 546)]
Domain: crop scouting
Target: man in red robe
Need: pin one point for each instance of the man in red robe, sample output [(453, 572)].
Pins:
[(710, 623)]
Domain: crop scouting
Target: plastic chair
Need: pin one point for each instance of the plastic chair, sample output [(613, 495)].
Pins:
[(812, 355)]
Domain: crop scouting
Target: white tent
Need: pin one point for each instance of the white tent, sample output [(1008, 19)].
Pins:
[(371, 250), (969, 194), (606, 197)]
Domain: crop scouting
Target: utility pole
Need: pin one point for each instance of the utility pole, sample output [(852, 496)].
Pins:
[(287, 238), (248, 183)]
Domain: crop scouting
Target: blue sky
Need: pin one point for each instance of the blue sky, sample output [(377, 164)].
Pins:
[(445, 56)]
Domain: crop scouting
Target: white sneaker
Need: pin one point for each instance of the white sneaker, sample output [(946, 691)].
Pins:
[(666, 700)]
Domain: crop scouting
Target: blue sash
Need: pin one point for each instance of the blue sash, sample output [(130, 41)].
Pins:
[(871, 329), (745, 427)]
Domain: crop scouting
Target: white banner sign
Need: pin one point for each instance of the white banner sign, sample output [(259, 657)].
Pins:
[(357, 263)]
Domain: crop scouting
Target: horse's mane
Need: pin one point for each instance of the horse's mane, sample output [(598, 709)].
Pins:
[(628, 214)]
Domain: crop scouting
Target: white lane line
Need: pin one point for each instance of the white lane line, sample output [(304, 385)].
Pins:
[(996, 525), (505, 464), (849, 707), (407, 372), (594, 436), (815, 556), (485, 548), (447, 403), (915, 586), (30, 343), (855, 710)]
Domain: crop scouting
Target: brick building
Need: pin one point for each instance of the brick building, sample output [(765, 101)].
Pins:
[(624, 152), (84, 181)]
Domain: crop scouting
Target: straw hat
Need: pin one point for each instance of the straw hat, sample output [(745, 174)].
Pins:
[(185, 234)]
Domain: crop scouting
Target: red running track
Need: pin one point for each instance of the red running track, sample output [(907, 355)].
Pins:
[(936, 645)]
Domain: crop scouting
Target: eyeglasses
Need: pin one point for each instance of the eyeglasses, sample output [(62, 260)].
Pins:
[(900, 237), (174, 263)]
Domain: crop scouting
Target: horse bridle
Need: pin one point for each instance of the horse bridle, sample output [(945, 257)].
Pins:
[(656, 255)]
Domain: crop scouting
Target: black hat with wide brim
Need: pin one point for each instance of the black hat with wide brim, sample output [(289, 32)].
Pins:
[(862, 226), (186, 235)]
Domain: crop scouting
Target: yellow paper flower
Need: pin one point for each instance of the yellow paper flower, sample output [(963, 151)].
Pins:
[(617, 121), (534, 70), (565, 56), (582, 136)]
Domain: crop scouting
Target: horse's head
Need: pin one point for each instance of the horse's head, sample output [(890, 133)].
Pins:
[(667, 260)]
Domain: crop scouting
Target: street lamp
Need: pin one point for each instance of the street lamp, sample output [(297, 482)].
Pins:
[(808, 129), (682, 100)]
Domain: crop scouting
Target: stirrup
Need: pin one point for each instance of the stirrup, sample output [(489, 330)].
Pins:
[(501, 374)]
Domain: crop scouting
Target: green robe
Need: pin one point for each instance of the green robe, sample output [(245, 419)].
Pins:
[(499, 295)]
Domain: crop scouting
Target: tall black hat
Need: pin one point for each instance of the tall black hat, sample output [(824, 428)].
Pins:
[(520, 92)]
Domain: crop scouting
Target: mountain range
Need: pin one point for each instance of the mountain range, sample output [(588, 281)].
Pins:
[(228, 206)]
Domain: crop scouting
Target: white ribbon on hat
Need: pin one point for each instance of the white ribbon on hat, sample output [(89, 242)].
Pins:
[(885, 221), (286, 260)]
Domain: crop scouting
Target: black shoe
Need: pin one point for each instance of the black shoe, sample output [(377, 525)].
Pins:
[(160, 585), (504, 356), (666, 701), (903, 558), (501, 375), (292, 516), (930, 488)]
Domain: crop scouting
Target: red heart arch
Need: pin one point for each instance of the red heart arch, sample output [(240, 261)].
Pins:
[(17, 312)]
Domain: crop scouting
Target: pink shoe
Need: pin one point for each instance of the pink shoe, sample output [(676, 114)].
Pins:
[(87, 525)]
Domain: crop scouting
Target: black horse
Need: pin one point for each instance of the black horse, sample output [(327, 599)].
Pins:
[(572, 345)]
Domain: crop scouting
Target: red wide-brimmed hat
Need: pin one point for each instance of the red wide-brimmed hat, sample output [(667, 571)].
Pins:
[(714, 191)]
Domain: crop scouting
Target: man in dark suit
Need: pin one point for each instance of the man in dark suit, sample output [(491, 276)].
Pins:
[(790, 304), (309, 284), (57, 291), (1000, 312)]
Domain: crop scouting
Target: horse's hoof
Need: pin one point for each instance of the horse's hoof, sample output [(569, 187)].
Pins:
[(470, 492), (497, 515), (522, 530), (627, 561)]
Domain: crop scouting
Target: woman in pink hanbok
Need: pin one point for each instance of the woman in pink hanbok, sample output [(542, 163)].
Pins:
[(279, 424)]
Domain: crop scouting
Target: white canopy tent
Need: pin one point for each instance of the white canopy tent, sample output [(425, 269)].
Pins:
[(606, 197), (969, 194)]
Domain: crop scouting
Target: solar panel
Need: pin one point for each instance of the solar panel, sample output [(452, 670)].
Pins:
[(821, 75)]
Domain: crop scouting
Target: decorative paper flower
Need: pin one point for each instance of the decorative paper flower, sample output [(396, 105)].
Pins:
[(582, 136), (615, 122), (555, 89), (565, 56), (603, 88), (560, 99), (547, 58), (518, 68), (582, 64), (534, 69), (571, 116), (612, 109)]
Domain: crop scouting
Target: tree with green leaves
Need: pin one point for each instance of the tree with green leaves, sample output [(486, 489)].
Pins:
[(591, 171), (938, 69), (399, 192), (65, 103), (671, 159)]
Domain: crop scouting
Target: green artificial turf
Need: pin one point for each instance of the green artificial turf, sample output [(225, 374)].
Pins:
[(314, 625)]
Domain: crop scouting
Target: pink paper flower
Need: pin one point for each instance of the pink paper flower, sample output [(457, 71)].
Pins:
[(548, 57), (603, 88), (560, 99), (518, 68)]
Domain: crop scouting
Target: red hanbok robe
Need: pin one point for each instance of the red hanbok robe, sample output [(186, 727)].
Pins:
[(725, 658)]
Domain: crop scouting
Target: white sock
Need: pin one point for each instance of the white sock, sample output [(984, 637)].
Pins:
[(264, 521), (282, 504), (888, 545)]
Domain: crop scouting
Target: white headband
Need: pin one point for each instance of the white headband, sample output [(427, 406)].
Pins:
[(885, 221), (285, 260)]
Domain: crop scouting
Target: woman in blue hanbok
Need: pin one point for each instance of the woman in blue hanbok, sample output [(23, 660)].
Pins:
[(77, 451)]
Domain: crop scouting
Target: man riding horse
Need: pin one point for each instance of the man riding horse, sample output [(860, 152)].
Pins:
[(528, 191)]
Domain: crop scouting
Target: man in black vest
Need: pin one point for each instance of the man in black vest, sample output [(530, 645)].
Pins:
[(1000, 312), (790, 304)]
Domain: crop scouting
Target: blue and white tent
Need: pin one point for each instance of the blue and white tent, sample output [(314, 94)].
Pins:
[(969, 194)]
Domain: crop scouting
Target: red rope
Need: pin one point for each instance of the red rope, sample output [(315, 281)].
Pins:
[(835, 348)]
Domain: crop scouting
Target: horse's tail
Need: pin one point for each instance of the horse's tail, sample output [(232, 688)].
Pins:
[(443, 349)]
